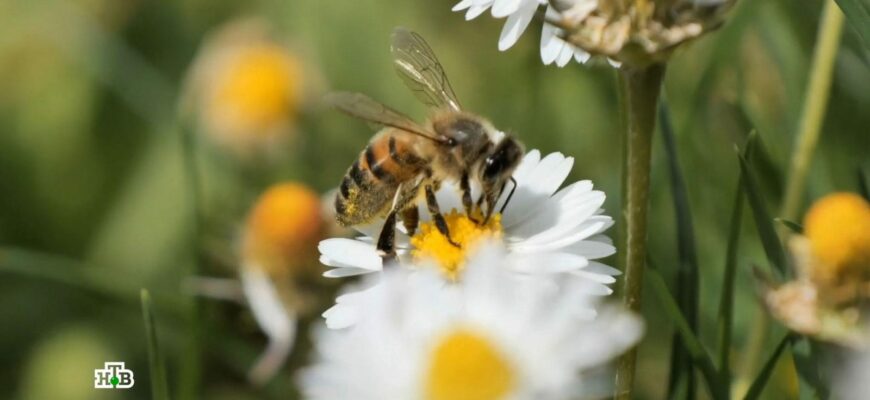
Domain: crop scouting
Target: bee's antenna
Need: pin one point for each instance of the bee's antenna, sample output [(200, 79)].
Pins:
[(511, 194)]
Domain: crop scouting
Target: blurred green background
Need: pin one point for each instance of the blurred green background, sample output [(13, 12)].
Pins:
[(94, 202)]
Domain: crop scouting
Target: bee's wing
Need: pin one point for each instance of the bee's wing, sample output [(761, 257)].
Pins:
[(368, 109), (419, 68)]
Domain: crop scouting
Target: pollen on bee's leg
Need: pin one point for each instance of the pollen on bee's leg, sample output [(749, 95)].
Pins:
[(450, 253)]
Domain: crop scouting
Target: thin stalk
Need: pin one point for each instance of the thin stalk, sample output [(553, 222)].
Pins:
[(641, 88), (809, 129), (726, 301), (159, 385), (815, 104), (190, 363)]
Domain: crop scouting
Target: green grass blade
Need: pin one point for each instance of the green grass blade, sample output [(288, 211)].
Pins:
[(806, 361), (159, 387), (791, 225), (687, 273), (764, 375), (67, 271), (857, 12), (693, 344), (725, 319), (763, 221)]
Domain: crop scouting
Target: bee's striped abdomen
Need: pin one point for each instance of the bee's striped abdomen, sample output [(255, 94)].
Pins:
[(368, 187)]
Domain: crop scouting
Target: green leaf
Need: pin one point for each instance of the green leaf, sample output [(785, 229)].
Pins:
[(764, 375), (687, 273), (807, 363), (159, 387), (725, 319), (857, 12), (763, 221), (693, 344), (791, 225)]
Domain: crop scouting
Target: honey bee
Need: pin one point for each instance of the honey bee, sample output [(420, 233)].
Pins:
[(406, 160)]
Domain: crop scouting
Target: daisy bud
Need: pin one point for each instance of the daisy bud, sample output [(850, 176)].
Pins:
[(838, 229), (245, 88), (635, 32)]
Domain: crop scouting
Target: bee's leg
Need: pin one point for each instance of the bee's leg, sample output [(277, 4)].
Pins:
[(435, 212), (386, 246), (491, 199), (466, 197), (411, 218)]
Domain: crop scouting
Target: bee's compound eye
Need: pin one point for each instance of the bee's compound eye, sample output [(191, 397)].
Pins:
[(450, 142)]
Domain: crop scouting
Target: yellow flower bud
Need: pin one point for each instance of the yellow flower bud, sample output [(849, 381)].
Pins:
[(838, 228), (282, 230)]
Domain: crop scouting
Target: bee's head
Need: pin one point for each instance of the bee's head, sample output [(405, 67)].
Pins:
[(499, 164), (497, 168)]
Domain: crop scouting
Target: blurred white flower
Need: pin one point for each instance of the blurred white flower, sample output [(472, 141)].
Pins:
[(547, 233), (497, 336), (276, 253)]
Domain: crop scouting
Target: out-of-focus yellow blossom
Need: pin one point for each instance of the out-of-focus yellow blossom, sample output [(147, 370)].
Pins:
[(246, 88), (832, 263), (838, 228), (278, 248), (282, 229)]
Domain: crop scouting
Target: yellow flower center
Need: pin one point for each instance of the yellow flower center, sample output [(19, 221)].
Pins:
[(838, 227), (260, 86), (467, 366), (283, 227), (429, 243)]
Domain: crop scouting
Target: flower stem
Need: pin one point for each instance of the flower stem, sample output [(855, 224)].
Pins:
[(815, 103), (190, 367), (641, 88)]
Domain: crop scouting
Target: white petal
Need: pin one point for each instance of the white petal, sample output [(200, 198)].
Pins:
[(462, 5), (515, 25), (600, 278), (350, 252), (266, 305), (503, 8), (536, 186), (474, 11), (345, 272), (613, 63), (581, 56), (571, 205), (599, 268), (341, 316), (538, 263), (551, 44), (565, 56), (564, 243), (591, 249), (621, 329)]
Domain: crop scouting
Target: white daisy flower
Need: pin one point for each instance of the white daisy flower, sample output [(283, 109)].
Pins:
[(547, 233), (496, 337)]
